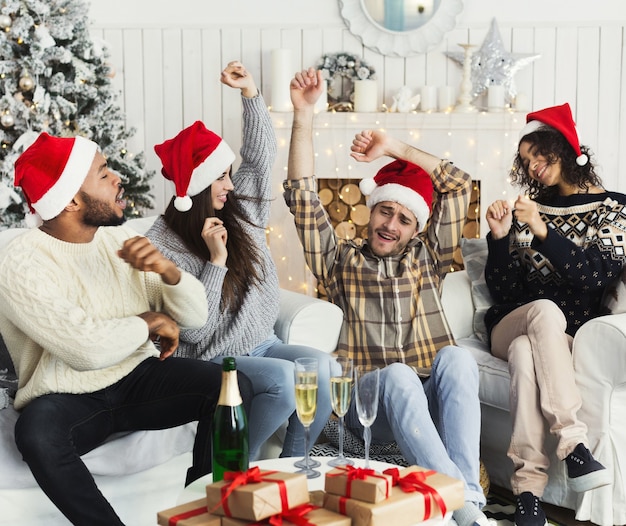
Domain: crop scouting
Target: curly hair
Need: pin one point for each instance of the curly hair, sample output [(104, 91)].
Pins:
[(552, 145), (243, 259)]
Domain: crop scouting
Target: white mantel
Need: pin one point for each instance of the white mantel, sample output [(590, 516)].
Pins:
[(481, 143)]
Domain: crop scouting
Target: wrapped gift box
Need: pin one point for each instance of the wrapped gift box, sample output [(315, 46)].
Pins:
[(358, 483), (415, 498), (255, 495), (194, 513), (316, 517)]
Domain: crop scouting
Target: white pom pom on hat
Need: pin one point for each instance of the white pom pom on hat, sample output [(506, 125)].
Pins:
[(193, 160), (560, 118)]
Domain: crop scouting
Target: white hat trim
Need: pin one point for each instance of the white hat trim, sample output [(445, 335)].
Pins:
[(211, 169), (404, 196), (531, 127), (69, 182)]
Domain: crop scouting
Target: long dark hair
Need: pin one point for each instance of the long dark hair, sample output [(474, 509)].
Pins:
[(554, 147), (243, 259)]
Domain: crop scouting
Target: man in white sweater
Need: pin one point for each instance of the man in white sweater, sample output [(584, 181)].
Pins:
[(82, 301)]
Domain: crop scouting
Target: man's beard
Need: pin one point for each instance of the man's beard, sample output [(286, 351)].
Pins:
[(98, 213)]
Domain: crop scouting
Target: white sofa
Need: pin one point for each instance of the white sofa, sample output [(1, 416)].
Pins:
[(144, 472), (599, 355)]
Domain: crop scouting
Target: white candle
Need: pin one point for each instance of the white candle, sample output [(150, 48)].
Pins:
[(495, 98), (428, 98), (282, 72), (445, 98), (365, 96), (522, 104)]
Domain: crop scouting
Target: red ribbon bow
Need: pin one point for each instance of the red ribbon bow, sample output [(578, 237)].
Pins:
[(359, 474), (251, 476), (415, 481), (295, 516)]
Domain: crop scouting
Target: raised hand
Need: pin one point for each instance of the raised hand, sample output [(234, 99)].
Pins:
[(139, 253), (215, 237), (369, 145), (235, 75), (305, 88), (499, 217), (526, 212)]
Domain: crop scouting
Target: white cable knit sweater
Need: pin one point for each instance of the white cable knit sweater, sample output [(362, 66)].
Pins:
[(68, 311)]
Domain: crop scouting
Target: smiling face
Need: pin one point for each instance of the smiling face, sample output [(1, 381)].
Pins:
[(391, 227), (101, 195), (220, 189), (539, 167)]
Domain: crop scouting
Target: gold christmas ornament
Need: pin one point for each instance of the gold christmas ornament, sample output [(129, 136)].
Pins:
[(26, 83), (5, 21), (7, 120)]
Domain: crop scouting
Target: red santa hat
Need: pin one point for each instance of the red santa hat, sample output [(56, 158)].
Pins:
[(51, 171), (193, 160), (404, 183), (560, 118)]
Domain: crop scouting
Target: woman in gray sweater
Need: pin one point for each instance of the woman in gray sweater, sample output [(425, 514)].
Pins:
[(214, 228)]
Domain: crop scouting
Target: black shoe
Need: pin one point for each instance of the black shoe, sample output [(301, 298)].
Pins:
[(528, 511), (584, 472)]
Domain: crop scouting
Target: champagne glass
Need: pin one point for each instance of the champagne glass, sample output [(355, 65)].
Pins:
[(340, 396), (366, 382), (305, 370)]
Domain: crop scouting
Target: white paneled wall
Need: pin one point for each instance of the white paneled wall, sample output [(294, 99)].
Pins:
[(169, 77)]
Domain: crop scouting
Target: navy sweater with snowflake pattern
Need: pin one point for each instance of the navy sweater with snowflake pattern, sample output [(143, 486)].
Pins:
[(582, 254)]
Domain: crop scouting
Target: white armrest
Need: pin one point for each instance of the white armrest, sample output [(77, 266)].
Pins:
[(599, 355), (304, 320)]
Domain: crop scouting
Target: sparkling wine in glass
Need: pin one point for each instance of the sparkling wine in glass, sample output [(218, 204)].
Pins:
[(366, 382), (305, 370), (340, 396)]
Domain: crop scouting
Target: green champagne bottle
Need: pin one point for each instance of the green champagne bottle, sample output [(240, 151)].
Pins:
[(230, 425)]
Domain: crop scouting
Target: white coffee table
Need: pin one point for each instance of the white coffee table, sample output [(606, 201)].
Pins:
[(197, 489)]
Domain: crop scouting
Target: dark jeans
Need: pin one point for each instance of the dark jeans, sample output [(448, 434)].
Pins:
[(53, 431)]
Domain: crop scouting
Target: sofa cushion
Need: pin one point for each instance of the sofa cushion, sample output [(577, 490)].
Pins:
[(474, 253), (493, 374)]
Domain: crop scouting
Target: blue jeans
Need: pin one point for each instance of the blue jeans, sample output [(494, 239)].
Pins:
[(436, 423), (54, 430), (270, 369)]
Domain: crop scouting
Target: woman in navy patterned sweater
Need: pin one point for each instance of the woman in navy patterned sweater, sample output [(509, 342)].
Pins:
[(551, 256)]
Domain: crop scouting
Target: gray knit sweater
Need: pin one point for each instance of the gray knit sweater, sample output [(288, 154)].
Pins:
[(227, 332)]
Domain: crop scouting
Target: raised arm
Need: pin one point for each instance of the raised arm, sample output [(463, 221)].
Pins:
[(305, 88)]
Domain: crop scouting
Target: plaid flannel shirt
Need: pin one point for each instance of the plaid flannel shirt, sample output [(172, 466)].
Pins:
[(392, 306)]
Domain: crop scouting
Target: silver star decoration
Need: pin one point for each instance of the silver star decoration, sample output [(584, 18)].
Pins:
[(493, 65)]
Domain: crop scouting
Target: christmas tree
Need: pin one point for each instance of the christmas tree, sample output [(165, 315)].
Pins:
[(54, 77)]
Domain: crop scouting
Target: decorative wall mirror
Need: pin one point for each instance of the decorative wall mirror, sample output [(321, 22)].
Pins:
[(400, 28)]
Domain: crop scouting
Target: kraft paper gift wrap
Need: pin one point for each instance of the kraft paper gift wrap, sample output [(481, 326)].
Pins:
[(419, 495), (255, 495), (305, 515), (194, 513), (358, 483)]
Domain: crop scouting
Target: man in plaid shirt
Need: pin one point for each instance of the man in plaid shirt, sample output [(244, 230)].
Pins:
[(389, 290)]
